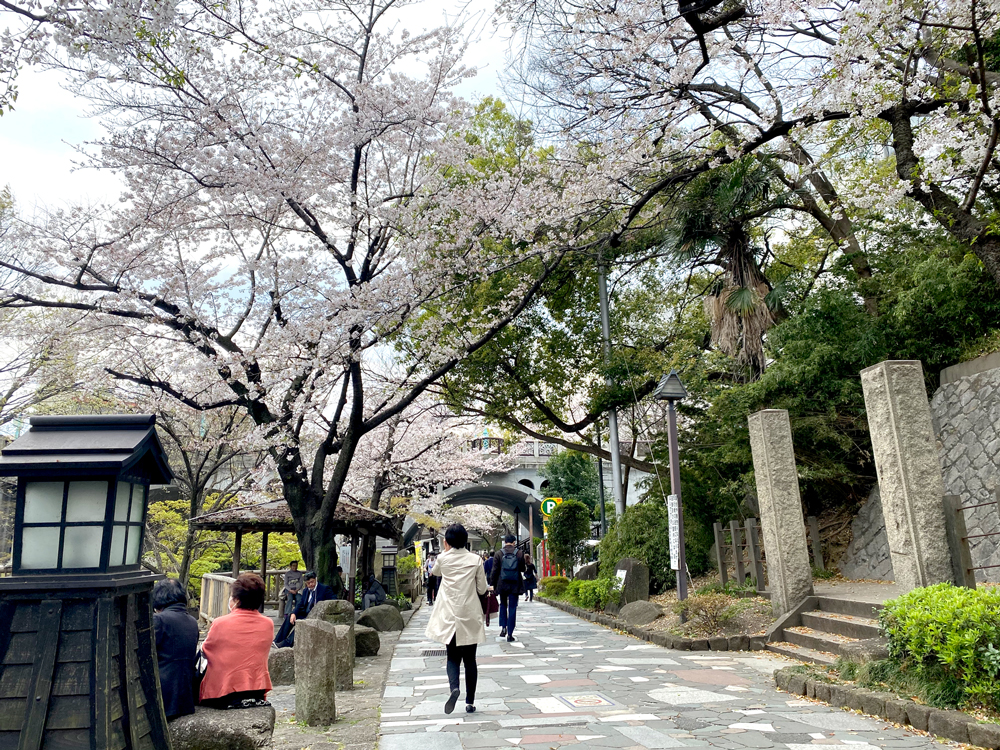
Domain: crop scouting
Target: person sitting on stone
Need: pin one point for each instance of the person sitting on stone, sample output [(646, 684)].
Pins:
[(314, 592), (288, 609), (290, 576), (176, 647), (374, 594), (237, 648)]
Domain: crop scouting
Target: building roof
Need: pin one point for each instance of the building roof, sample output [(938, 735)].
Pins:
[(89, 444), (277, 516)]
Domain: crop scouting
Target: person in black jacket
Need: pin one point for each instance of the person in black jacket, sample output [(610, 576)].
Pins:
[(508, 566), (315, 592), (176, 647)]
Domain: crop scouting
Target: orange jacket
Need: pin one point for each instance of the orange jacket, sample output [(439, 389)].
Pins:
[(236, 648)]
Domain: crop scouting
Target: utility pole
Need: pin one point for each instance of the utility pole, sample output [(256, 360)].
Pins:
[(600, 484), (616, 460)]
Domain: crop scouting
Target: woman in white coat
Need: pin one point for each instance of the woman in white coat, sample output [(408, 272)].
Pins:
[(457, 619)]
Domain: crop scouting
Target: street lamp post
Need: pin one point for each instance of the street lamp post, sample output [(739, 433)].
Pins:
[(672, 390)]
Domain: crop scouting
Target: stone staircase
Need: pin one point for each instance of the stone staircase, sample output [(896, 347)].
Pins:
[(823, 628)]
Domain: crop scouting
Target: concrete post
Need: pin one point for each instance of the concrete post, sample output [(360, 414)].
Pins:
[(909, 472), (781, 518)]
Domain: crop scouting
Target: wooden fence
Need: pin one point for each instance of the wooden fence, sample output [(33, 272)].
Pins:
[(215, 592), (214, 596), (741, 548)]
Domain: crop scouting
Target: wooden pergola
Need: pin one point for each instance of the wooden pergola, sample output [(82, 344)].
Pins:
[(349, 519)]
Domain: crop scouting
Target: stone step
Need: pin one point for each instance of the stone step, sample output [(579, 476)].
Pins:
[(849, 625), (867, 610), (808, 655), (816, 640)]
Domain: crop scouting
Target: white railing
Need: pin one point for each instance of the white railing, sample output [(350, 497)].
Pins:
[(214, 596)]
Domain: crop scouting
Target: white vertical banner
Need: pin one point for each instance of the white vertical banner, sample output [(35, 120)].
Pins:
[(673, 519)]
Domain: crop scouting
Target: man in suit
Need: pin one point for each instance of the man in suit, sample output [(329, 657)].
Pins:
[(315, 592)]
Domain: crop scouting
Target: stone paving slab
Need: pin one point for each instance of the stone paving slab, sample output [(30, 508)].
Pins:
[(568, 682)]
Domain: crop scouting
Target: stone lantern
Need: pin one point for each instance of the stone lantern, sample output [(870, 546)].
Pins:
[(77, 652)]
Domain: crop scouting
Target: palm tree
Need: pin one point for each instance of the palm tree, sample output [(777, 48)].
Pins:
[(710, 226)]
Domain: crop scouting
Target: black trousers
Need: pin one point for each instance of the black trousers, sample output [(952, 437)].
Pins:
[(458, 655), (234, 700)]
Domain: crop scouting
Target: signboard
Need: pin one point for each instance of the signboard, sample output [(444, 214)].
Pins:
[(673, 521), (549, 505)]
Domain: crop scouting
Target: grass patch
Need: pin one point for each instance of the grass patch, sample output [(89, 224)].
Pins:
[(931, 686)]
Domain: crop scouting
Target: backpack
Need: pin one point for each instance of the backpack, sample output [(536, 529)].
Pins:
[(508, 567)]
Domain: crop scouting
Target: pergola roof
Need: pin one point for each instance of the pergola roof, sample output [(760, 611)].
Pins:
[(277, 516)]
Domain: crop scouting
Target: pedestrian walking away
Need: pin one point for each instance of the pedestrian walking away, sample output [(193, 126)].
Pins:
[(457, 618), (530, 579), (508, 568)]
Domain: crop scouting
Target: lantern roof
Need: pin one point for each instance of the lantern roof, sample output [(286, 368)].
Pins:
[(89, 444)]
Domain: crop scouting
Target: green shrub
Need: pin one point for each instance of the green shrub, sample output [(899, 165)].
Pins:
[(641, 533), (406, 565), (592, 594), (553, 586), (950, 632)]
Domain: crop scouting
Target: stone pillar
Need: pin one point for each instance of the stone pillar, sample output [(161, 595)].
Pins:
[(315, 672), (909, 472), (781, 518)]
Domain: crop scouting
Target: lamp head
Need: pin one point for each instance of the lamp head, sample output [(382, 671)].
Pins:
[(670, 388)]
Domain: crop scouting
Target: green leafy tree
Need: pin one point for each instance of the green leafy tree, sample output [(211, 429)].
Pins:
[(643, 533), (569, 526), (572, 476)]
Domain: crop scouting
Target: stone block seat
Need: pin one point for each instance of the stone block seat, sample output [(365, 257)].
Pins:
[(212, 729), (382, 618)]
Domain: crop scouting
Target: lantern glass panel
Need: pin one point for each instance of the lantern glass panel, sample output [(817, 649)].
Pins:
[(40, 546), (121, 501), (134, 538), (137, 503), (86, 501), (43, 503), (82, 546), (117, 546)]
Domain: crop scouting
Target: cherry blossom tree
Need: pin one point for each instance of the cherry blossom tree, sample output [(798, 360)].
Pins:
[(302, 199), (666, 92)]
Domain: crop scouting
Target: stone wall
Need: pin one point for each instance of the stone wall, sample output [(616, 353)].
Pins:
[(966, 413), (867, 556)]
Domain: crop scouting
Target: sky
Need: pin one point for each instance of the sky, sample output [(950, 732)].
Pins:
[(39, 139)]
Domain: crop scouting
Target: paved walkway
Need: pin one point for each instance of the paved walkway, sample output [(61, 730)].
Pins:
[(570, 682)]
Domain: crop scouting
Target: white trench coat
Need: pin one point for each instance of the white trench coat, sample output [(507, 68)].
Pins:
[(457, 611)]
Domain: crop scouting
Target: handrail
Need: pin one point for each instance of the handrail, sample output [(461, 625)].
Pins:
[(214, 596)]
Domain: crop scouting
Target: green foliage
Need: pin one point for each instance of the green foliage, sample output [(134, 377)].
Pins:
[(406, 565), (643, 532), (572, 476), (569, 526), (553, 586), (825, 574), (731, 587), (593, 595), (931, 686), (951, 633), (710, 612)]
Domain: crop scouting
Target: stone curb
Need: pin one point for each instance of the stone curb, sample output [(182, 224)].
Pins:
[(658, 637), (951, 725)]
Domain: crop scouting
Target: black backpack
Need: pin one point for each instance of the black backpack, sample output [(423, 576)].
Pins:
[(508, 567)]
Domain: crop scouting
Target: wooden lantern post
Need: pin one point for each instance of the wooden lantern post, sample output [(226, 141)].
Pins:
[(77, 652)]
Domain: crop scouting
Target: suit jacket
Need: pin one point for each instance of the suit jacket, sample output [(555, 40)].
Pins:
[(176, 651), (321, 593), (457, 611), (237, 647)]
